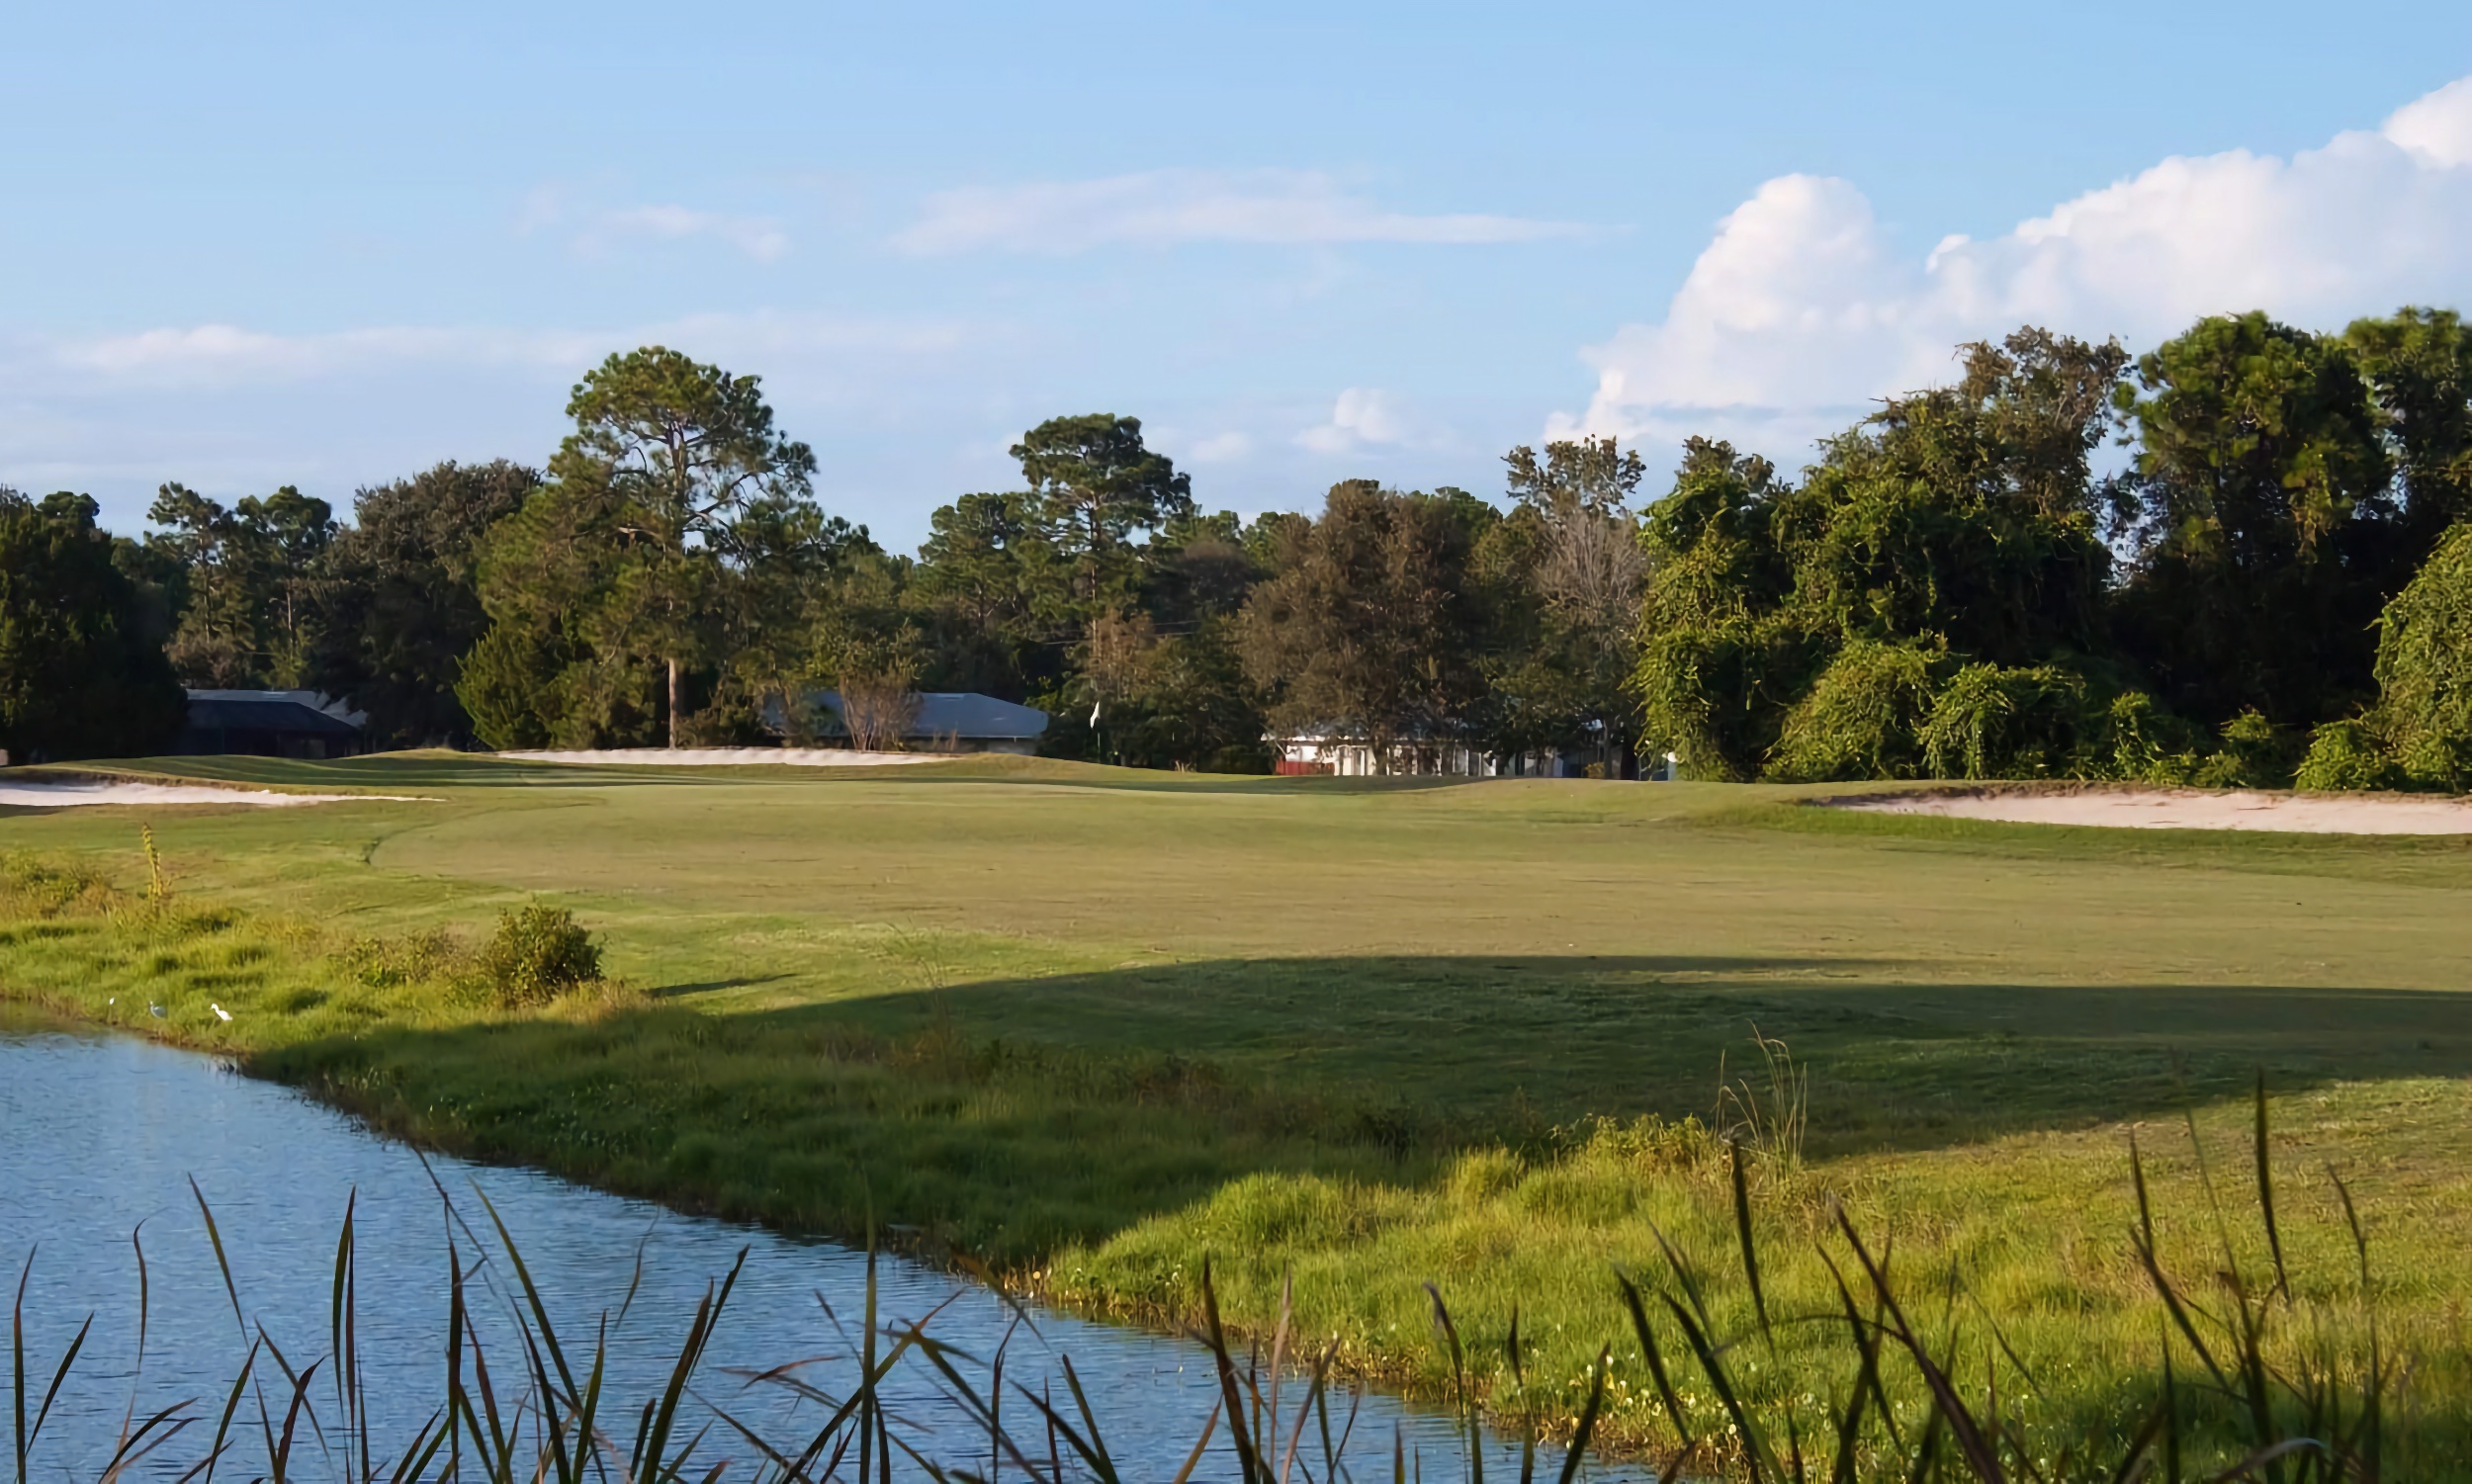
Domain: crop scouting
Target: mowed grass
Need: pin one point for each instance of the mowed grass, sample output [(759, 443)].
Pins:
[(1089, 1026)]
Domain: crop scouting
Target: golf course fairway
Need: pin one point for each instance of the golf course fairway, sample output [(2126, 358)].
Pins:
[(1088, 1026)]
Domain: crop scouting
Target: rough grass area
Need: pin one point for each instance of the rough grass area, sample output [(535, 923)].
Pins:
[(1090, 1026)]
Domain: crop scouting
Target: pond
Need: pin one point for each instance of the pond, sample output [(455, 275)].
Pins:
[(101, 1136)]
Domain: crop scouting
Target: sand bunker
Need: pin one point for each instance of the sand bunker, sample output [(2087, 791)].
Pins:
[(71, 793), (2186, 808), (705, 757)]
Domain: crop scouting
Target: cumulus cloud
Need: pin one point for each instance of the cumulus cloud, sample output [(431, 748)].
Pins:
[(1162, 207), (1800, 311), (1362, 417)]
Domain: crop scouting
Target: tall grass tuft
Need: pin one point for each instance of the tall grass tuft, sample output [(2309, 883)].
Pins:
[(1769, 1120)]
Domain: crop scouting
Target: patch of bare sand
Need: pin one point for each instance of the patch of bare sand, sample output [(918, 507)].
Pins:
[(2183, 809), (71, 793), (706, 757)]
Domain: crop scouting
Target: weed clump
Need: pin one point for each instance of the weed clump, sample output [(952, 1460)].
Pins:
[(31, 888), (383, 963), (538, 953)]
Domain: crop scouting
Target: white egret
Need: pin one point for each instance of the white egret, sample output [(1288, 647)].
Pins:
[(221, 1013)]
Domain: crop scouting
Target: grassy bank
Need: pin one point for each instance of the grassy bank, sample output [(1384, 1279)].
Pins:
[(1086, 1026)]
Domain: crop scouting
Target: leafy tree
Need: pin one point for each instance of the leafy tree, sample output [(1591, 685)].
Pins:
[(82, 673), (283, 538), (1965, 514), (2260, 498), (1588, 473), (1368, 628), (990, 589), (1563, 575), (253, 576), (217, 641), (2418, 366), (1096, 484), (400, 599), (1720, 659), (629, 568), (680, 466)]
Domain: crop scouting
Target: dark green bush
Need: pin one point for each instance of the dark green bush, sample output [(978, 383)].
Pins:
[(2148, 744), (1860, 718), (2348, 756), (2425, 667), (1996, 722), (2255, 753), (538, 953)]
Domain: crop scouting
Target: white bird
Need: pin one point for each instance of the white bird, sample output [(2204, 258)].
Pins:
[(221, 1013), (156, 1010)]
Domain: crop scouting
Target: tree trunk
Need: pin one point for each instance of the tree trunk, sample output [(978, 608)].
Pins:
[(673, 703)]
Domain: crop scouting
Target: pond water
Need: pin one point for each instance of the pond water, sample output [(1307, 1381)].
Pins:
[(101, 1135)]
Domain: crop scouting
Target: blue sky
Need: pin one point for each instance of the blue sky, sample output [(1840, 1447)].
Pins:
[(260, 245)]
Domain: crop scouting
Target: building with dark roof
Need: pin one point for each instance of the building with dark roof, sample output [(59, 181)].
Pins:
[(943, 721), (269, 724)]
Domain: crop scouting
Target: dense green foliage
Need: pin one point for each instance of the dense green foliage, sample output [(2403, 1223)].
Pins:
[(1957, 590), (400, 597), (82, 670)]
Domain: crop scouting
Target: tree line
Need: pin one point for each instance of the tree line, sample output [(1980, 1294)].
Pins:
[(2239, 557), (2267, 584)]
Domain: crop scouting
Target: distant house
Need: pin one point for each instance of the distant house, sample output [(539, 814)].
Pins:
[(1345, 755), (270, 723), (943, 721), (1322, 750)]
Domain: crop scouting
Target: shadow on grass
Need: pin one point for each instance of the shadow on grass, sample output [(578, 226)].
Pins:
[(1008, 1118), (714, 986)]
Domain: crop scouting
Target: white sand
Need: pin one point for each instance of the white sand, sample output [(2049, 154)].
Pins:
[(69, 794), (706, 757), (2186, 808)]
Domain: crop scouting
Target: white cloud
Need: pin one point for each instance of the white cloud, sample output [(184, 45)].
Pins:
[(1800, 312), (597, 230), (223, 355), (1219, 448), (1161, 208), (1361, 417), (760, 237)]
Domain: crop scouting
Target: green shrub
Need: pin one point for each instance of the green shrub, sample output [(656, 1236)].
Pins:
[(2146, 743), (1860, 718), (538, 953), (2255, 753), (2347, 756), (2425, 667), (1996, 722), (392, 963)]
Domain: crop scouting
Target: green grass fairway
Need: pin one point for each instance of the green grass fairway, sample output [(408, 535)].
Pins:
[(1089, 1024)]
